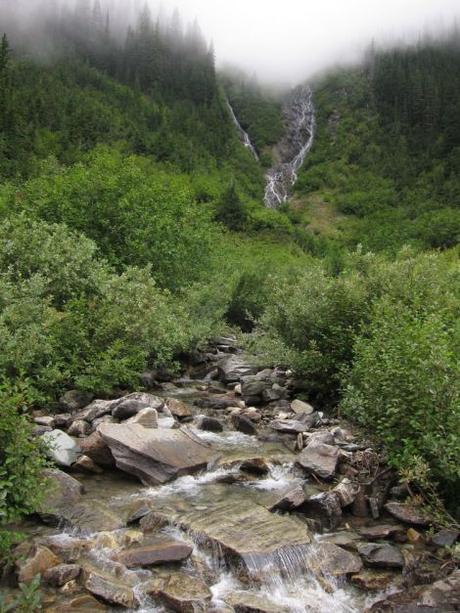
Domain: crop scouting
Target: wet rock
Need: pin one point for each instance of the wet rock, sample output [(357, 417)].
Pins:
[(324, 506), (95, 448), (372, 580), (323, 437), (319, 459), (111, 591), (244, 424), (153, 521), (217, 404), (247, 533), (185, 594), (245, 602), (443, 596), (66, 547), (345, 538), (334, 561), (155, 456), (73, 400), (178, 408), (300, 407), (381, 555), (61, 574), (85, 464), (91, 516), (234, 368), (347, 491), (255, 466), (80, 603), (290, 500), (445, 538), (61, 448), (210, 424), (380, 531), (148, 418), (63, 491), (253, 388), (42, 560), (79, 428), (407, 513), (157, 551)]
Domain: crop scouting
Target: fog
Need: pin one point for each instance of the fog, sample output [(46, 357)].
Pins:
[(288, 40), (282, 41)]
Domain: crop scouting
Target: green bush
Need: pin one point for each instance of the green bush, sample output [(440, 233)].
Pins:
[(404, 384), (21, 462)]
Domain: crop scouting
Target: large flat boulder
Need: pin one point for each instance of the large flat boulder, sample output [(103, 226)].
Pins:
[(319, 459), (155, 456), (158, 551)]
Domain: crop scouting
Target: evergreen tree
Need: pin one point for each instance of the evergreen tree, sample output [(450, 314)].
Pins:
[(231, 211)]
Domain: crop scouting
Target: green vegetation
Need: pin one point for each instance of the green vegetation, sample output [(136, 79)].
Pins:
[(132, 229)]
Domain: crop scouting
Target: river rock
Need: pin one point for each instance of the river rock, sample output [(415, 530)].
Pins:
[(381, 555), (334, 561), (245, 602), (407, 513), (216, 403), (44, 420), (210, 424), (147, 417), (274, 393), (380, 531), (185, 594), (42, 560), (252, 388), (300, 407), (234, 368), (178, 408), (62, 420), (244, 424), (61, 448), (158, 551), (290, 500), (155, 456), (79, 428), (325, 507), (445, 538), (95, 448), (61, 574), (373, 580), (128, 408), (347, 492), (77, 604), (68, 548), (85, 464), (247, 534), (345, 538), (110, 590), (319, 459), (63, 491), (443, 596), (95, 410), (288, 426), (73, 400)]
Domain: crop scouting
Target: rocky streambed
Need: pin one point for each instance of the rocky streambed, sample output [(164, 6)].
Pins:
[(222, 491)]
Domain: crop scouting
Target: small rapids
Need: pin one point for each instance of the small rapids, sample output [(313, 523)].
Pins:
[(299, 116)]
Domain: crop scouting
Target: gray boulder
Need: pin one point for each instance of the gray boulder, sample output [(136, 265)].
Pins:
[(61, 448), (319, 459), (155, 456)]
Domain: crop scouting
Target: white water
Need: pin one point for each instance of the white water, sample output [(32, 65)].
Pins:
[(244, 136), (300, 120)]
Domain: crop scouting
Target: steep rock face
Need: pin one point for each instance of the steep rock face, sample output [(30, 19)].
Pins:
[(155, 455), (299, 118)]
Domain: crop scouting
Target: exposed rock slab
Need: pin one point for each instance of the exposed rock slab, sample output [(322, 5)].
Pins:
[(443, 596), (290, 500), (319, 459), (248, 533), (185, 594), (381, 555), (245, 602), (407, 513), (110, 591), (233, 368), (155, 456), (380, 531), (64, 491), (157, 551), (334, 561)]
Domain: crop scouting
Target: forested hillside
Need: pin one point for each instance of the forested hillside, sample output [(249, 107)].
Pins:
[(387, 149), (133, 230)]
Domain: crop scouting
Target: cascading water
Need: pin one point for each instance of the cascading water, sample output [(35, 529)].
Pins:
[(299, 115), (244, 136)]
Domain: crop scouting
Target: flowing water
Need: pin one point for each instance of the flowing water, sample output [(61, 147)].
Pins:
[(244, 136), (300, 130)]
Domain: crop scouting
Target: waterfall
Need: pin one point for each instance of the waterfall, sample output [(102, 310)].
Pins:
[(299, 114), (244, 136)]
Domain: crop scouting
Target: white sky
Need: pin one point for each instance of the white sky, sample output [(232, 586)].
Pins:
[(287, 40)]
